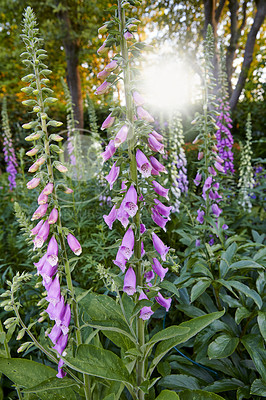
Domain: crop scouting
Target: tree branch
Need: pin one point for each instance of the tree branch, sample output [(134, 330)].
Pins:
[(219, 10), (248, 55)]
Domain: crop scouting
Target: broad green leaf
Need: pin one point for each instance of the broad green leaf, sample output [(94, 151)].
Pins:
[(255, 346), (110, 397), (101, 307), (223, 346), (198, 395), (177, 382), (258, 388), (25, 373), (168, 333), (99, 362), (262, 323), (260, 254), (241, 313), (195, 325), (111, 326), (170, 287), (167, 395), (247, 291), (245, 264), (226, 258), (199, 288), (223, 385), (51, 384)]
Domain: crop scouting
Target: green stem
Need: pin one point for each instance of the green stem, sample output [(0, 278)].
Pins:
[(140, 366)]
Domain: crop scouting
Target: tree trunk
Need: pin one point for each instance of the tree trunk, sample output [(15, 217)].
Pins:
[(71, 47), (248, 55)]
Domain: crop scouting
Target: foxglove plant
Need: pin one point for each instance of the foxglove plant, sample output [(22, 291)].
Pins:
[(49, 226), (8, 148), (144, 145), (178, 161), (246, 179)]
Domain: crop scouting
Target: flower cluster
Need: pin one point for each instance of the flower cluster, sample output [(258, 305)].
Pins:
[(178, 159), (135, 131), (8, 149), (246, 180), (47, 213), (224, 137)]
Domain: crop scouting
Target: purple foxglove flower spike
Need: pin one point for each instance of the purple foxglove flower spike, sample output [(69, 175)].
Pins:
[(160, 190), (121, 136), (155, 145), (113, 175), (157, 165), (36, 229), (166, 303), (130, 282), (53, 293), (143, 164), (48, 188), (33, 183), (158, 269), (56, 313), (53, 216), (103, 87), (74, 244), (138, 99), (200, 216), (145, 312), (159, 246), (127, 245), (120, 261), (216, 210), (143, 114), (111, 217), (55, 334), (40, 212), (108, 122), (158, 219), (109, 151), (131, 199), (162, 209)]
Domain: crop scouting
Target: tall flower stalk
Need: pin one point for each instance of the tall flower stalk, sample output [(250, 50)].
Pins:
[(8, 148), (49, 228), (136, 169)]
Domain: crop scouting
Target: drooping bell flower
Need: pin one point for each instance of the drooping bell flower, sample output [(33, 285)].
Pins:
[(155, 145), (216, 210), (42, 235), (61, 344), (68, 190), (109, 151), (103, 49), (162, 209), (33, 183), (142, 228), (40, 212), (158, 269), (218, 166), (121, 136), (39, 265), (212, 171), (197, 179), (111, 217), (197, 243), (142, 253), (143, 114), (157, 136), (103, 87), (47, 272), (138, 99), (166, 303), (149, 276), (200, 155), (42, 199), (122, 215), (33, 151), (61, 373), (159, 246), (146, 311), (157, 165), (120, 261), (61, 168), (158, 219), (52, 251), (36, 229), (143, 164), (113, 175), (34, 167), (103, 74), (53, 292), (74, 244), (200, 216), (127, 245), (130, 282), (53, 216), (66, 319), (207, 184), (160, 190), (130, 201), (48, 188), (128, 35), (111, 66), (55, 334), (108, 122)]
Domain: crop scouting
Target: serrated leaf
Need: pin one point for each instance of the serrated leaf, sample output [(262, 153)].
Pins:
[(223, 346)]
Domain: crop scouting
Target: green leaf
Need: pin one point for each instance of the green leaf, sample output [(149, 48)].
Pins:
[(245, 264), (179, 381), (51, 384), (110, 397), (262, 323), (99, 362), (247, 291), (198, 395), (223, 346), (195, 325), (199, 288), (241, 313), (258, 388), (223, 385), (170, 287), (25, 373), (168, 333), (254, 345), (167, 395), (111, 326)]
